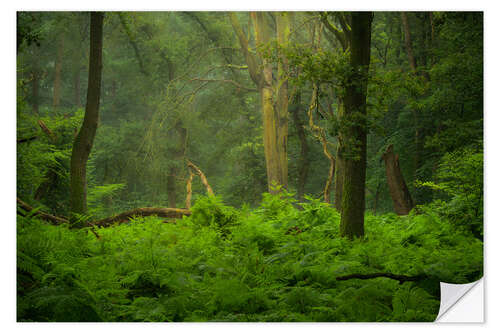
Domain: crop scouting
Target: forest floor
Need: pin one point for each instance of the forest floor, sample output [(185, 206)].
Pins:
[(272, 263)]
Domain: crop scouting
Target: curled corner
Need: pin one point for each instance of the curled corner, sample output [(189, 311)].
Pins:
[(461, 302)]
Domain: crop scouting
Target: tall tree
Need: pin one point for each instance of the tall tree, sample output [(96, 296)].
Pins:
[(57, 74), (273, 91), (85, 137), (355, 127)]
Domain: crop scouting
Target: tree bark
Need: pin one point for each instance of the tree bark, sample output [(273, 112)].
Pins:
[(409, 48), (274, 111), (304, 147), (320, 135), (189, 190), (281, 86), (85, 137), (35, 88), (177, 154), (400, 195), (339, 168), (273, 93), (57, 75), (353, 196), (76, 83)]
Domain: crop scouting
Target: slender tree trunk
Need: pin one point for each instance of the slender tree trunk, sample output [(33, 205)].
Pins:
[(177, 154), (339, 167), (409, 48), (283, 33), (419, 137), (353, 196), (85, 137), (76, 82), (376, 199), (57, 75), (35, 88), (304, 147), (400, 195), (171, 187)]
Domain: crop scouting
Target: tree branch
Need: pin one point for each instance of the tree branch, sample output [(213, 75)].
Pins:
[(234, 83), (250, 58), (202, 177), (341, 36), (44, 216), (133, 44)]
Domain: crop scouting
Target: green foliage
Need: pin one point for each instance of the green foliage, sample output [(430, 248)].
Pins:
[(272, 263), (460, 182)]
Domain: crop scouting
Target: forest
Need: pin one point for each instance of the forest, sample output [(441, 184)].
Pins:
[(247, 166)]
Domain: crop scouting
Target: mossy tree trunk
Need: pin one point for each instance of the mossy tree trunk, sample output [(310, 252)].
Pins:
[(273, 92), (274, 99), (354, 128), (85, 137)]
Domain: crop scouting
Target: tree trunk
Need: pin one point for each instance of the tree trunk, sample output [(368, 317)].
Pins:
[(76, 82), (304, 147), (85, 137), (57, 75), (320, 135), (35, 88), (281, 86), (400, 195), (409, 48), (177, 154), (274, 109), (274, 95), (171, 188), (339, 167), (353, 196)]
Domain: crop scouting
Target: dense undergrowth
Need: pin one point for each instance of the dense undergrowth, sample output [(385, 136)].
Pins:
[(274, 263)]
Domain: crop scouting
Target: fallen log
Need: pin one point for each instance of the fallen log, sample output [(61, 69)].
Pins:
[(44, 216), (175, 213), (400, 278), (27, 139)]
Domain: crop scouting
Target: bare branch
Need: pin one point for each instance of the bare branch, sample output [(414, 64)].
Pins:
[(236, 84)]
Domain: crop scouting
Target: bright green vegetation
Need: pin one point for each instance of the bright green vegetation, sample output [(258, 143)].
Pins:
[(272, 263)]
